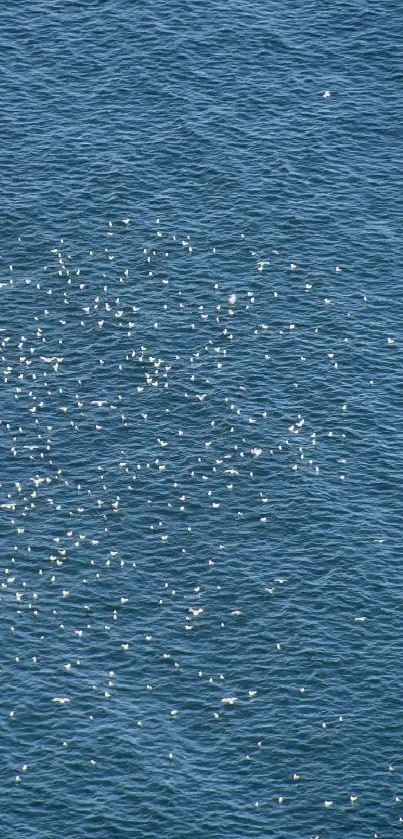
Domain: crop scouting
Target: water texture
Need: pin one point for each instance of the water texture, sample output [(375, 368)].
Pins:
[(200, 426)]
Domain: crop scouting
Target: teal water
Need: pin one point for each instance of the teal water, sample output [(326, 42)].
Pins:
[(200, 426)]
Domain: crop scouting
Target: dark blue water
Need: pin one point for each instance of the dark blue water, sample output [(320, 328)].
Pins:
[(201, 410)]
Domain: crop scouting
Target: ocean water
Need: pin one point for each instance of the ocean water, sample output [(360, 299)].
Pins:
[(200, 427)]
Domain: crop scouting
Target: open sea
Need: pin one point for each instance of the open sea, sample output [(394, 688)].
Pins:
[(201, 412)]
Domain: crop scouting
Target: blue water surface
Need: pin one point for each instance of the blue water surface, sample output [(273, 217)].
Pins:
[(200, 426)]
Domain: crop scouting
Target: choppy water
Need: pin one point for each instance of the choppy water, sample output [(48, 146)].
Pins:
[(201, 407)]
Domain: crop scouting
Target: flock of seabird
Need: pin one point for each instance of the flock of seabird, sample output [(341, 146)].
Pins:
[(137, 411)]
